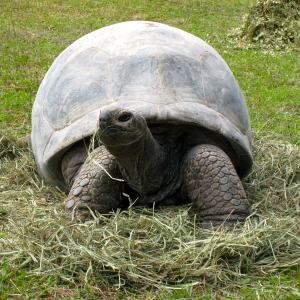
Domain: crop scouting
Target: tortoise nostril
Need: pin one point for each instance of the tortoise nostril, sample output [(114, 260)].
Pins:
[(124, 117)]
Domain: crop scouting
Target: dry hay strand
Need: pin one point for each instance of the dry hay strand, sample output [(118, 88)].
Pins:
[(270, 25), (142, 246)]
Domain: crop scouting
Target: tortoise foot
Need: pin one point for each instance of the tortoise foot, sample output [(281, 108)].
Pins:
[(226, 221), (95, 187), (212, 184)]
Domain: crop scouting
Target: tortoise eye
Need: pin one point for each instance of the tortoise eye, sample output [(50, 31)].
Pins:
[(124, 117)]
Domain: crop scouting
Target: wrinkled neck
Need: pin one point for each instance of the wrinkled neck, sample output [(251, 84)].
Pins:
[(143, 164), (124, 152)]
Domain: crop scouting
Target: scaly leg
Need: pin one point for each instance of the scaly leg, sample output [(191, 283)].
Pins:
[(94, 188), (211, 182)]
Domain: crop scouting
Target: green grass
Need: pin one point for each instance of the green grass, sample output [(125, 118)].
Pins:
[(15, 284), (271, 85), (34, 32)]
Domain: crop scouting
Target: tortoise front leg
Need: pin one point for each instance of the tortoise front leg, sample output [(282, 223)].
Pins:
[(93, 187), (211, 182)]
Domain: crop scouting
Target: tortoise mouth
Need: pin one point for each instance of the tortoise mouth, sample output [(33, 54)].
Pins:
[(115, 129)]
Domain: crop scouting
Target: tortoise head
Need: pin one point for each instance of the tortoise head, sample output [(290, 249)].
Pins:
[(120, 127)]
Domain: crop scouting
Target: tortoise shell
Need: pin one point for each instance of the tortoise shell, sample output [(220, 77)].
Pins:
[(164, 73)]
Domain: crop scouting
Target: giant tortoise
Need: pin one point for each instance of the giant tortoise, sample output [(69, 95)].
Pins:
[(144, 109)]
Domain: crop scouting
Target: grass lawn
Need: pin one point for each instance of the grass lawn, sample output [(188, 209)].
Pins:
[(33, 33)]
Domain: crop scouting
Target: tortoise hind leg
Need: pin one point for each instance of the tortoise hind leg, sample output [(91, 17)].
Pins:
[(211, 182), (93, 188)]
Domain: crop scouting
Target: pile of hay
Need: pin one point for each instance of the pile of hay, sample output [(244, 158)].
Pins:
[(156, 247), (270, 25)]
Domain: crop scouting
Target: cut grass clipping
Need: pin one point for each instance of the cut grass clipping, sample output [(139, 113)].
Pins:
[(270, 25), (156, 247)]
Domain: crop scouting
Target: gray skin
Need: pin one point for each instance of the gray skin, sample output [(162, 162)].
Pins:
[(162, 163)]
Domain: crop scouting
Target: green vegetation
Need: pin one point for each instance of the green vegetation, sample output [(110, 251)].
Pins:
[(42, 256), (271, 25)]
